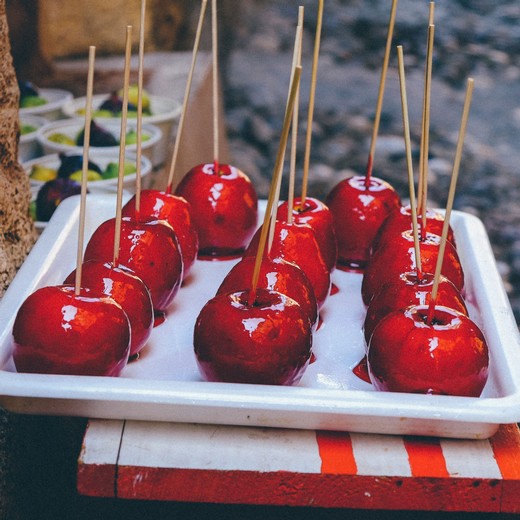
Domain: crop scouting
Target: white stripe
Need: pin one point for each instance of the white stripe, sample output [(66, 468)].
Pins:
[(473, 459), (101, 442), (212, 447), (381, 455)]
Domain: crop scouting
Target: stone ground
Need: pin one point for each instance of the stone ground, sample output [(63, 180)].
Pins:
[(480, 39)]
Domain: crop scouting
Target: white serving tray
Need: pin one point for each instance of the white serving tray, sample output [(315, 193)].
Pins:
[(164, 384)]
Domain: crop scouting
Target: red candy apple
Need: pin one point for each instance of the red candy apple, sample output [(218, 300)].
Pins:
[(275, 275), (358, 212), (409, 290), (149, 248), (268, 341), (297, 243), (224, 208), (388, 264), (317, 215), (127, 290), (401, 220), (176, 211), (448, 356), (57, 332)]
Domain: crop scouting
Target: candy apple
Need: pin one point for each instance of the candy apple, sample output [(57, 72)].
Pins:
[(401, 220), (127, 290), (58, 332), (319, 217), (176, 211), (224, 208), (388, 264), (297, 243), (409, 290), (268, 341), (276, 275), (149, 248), (358, 212), (447, 356)]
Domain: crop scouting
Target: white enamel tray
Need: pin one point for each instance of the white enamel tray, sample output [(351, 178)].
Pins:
[(164, 384)]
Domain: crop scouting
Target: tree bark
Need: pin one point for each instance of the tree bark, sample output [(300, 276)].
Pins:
[(17, 234)]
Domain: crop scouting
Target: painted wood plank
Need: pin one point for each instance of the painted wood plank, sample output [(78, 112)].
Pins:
[(223, 448), (382, 455), (97, 463), (470, 459), (221, 464)]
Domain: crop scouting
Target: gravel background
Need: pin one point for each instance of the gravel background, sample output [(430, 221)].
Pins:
[(474, 38)]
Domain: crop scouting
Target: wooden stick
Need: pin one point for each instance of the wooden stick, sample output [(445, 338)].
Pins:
[(451, 196), (214, 44), (296, 61), (84, 169), (294, 130), (180, 128), (380, 95), (406, 125), (312, 96), (122, 145), (425, 139), (140, 110), (420, 190), (274, 182)]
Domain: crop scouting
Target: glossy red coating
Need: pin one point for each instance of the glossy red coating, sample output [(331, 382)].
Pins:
[(297, 243), (317, 215), (127, 290), (177, 212), (57, 332), (407, 291), (388, 264), (401, 220), (149, 248), (359, 211), (276, 275), (448, 357), (268, 342), (224, 208)]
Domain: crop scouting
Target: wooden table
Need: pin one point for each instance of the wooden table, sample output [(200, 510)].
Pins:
[(244, 465)]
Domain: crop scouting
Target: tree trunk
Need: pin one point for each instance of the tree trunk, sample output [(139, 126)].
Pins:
[(17, 234)]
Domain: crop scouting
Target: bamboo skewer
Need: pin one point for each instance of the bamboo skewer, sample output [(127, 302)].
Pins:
[(296, 61), (294, 131), (140, 73), (276, 173), (122, 145), (451, 196), (214, 44), (380, 95), (421, 169), (312, 96), (406, 125), (180, 128), (425, 138), (84, 169)]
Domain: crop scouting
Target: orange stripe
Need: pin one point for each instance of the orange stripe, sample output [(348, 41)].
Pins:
[(337, 456), (506, 449), (425, 457)]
